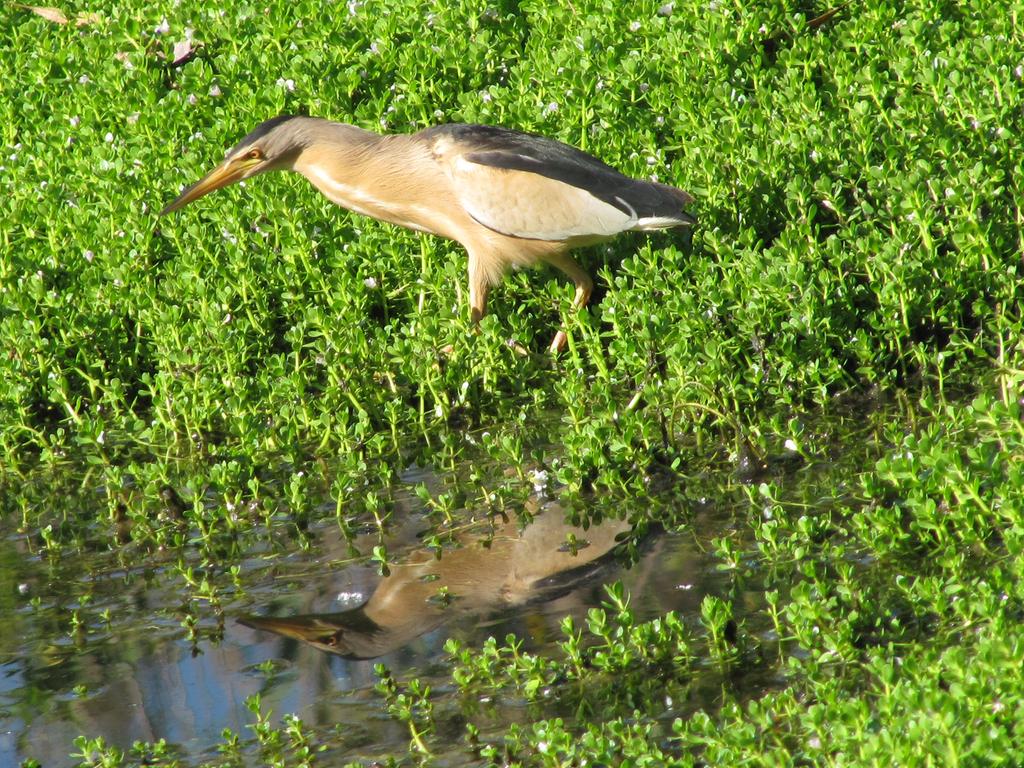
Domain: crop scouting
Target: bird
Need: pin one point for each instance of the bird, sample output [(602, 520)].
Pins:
[(512, 199), (517, 567)]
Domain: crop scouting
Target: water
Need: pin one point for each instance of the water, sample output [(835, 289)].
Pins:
[(139, 668)]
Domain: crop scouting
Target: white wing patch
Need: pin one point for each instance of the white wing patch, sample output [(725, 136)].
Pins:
[(657, 222), (528, 205)]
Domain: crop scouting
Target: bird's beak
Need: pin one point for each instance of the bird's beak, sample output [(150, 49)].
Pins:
[(228, 172), (310, 629)]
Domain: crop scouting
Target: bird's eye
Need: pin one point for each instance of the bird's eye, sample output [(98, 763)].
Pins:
[(254, 154)]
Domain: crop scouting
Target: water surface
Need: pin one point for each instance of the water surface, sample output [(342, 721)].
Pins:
[(145, 662)]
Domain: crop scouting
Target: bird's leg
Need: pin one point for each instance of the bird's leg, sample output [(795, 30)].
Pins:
[(478, 288), (584, 285)]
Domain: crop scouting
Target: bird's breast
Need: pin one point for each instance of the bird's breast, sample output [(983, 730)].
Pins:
[(389, 200)]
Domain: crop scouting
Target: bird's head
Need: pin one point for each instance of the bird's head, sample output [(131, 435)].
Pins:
[(273, 145), (349, 634)]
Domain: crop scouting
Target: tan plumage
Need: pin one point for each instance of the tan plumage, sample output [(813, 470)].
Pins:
[(510, 198)]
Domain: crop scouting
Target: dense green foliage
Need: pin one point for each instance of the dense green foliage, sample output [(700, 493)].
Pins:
[(857, 194), (860, 230)]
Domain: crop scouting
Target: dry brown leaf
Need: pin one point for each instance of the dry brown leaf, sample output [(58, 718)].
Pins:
[(50, 14)]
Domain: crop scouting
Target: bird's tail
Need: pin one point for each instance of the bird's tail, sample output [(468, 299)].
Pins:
[(665, 207)]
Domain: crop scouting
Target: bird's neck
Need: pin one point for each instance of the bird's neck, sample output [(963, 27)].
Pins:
[(391, 178)]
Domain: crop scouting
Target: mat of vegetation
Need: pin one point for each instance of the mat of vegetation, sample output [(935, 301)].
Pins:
[(860, 231)]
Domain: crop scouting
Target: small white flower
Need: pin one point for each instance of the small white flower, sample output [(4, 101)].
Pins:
[(88, 255), (288, 85), (227, 319), (539, 478), (1019, 71), (84, 79), (485, 96), (375, 48), (74, 121), (215, 90), (666, 9), (370, 282), (109, 137), (353, 6), (790, 445), (163, 27), (133, 118), (634, 26), (814, 155), (192, 99), (551, 107)]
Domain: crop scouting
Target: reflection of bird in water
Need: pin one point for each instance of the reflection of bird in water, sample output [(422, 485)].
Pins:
[(541, 562), (512, 199)]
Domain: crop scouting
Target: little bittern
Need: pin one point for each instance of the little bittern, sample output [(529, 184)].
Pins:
[(511, 198)]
